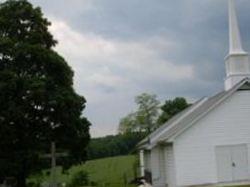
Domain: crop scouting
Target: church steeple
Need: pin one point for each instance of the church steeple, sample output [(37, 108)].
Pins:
[(234, 33), (237, 61)]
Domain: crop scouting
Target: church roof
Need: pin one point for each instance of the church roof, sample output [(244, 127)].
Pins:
[(190, 116)]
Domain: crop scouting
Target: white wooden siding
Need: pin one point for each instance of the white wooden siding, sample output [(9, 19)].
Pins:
[(158, 166), (170, 167), (147, 160), (194, 150), (162, 180), (155, 164)]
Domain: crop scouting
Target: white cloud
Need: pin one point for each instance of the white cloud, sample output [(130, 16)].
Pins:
[(111, 72), (76, 45), (106, 78)]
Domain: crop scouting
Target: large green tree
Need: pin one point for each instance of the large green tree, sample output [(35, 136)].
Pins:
[(38, 104), (171, 108), (144, 119)]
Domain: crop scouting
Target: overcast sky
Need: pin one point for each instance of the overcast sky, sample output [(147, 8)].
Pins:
[(122, 48)]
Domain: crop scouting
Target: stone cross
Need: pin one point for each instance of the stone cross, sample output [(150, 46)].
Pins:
[(53, 155)]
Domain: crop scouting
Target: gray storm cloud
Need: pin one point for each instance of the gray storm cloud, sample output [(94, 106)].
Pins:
[(119, 49)]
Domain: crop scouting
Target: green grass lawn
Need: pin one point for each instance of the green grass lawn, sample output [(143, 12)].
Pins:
[(107, 172), (110, 171)]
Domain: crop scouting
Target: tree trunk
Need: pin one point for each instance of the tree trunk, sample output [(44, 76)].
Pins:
[(21, 180)]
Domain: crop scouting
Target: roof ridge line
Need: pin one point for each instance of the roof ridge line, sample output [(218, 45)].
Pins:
[(202, 100)]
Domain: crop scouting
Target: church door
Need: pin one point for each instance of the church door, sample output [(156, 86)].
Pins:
[(232, 163)]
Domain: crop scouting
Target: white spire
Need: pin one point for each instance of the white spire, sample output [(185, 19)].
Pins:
[(234, 32), (237, 62)]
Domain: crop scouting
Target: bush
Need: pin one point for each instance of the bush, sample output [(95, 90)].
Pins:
[(79, 179)]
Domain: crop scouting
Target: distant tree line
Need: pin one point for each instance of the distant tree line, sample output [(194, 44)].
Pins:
[(114, 145)]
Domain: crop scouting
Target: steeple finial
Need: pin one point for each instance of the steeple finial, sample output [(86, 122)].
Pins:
[(234, 32)]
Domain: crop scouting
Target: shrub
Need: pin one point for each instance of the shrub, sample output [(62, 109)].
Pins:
[(79, 179)]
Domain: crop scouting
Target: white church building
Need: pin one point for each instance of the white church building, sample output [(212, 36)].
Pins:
[(209, 142)]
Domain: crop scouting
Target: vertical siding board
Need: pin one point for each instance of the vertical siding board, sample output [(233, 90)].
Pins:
[(147, 160), (158, 166), (155, 165), (167, 169), (248, 156), (170, 167), (162, 166)]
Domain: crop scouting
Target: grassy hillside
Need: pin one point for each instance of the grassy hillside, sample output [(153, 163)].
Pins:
[(107, 172)]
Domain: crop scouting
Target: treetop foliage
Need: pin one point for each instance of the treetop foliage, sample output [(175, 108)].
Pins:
[(149, 114), (21, 23), (145, 118), (171, 108)]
